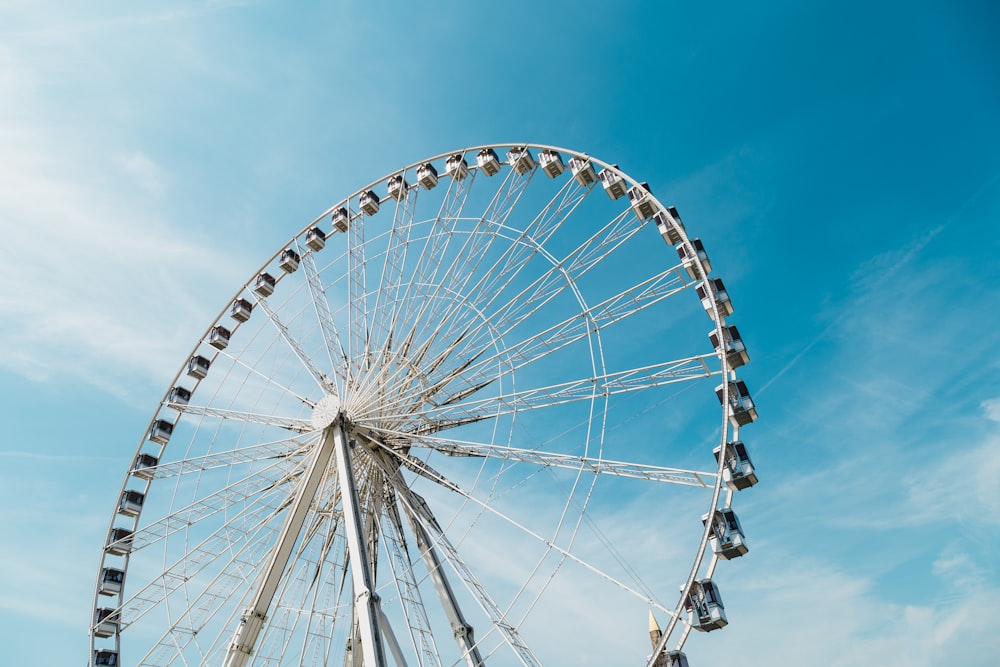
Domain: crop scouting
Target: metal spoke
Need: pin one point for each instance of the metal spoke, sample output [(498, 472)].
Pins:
[(250, 526), (324, 382), (273, 476), (394, 542), (558, 336), (286, 449), (427, 521), (597, 466), (417, 509), (331, 339), (287, 423), (680, 370)]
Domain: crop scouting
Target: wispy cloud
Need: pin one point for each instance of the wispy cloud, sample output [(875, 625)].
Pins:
[(100, 283), (813, 613)]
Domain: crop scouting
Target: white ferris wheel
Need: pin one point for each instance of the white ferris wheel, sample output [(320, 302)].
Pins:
[(469, 415)]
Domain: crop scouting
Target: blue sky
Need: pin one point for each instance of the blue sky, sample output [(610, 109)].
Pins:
[(839, 160)]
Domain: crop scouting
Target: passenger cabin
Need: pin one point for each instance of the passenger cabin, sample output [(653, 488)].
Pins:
[(398, 187), (456, 167), (144, 466), (263, 284), (105, 658), (642, 201), (105, 622), (198, 367), (741, 408), (675, 659), (694, 255), (315, 239), (289, 262), (704, 606), (738, 472), (130, 503), (551, 163), (160, 430), (341, 220), (369, 202), (218, 338), (582, 170), (179, 395), (111, 581), (427, 176), (713, 291), (726, 537), (488, 162), (731, 344), (119, 541), (669, 224), (520, 159), (613, 183), (240, 310)]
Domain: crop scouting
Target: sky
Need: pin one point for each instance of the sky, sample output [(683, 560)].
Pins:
[(839, 159)]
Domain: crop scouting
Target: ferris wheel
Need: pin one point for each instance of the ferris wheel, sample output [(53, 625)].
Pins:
[(474, 413)]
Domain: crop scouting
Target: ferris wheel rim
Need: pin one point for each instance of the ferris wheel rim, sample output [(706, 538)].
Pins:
[(726, 371)]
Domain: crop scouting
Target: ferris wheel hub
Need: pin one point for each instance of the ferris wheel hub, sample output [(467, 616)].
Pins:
[(326, 412)]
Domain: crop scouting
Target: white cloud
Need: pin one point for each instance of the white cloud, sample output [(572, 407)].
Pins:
[(99, 283), (145, 171), (992, 409), (964, 484), (796, 609)]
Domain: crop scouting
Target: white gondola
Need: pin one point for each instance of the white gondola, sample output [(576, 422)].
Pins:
[(398, 187), (488, 162), (341, 220), (369, 202), (613, 182), (240, 310), (263, 284), (726, 539), (315, 239), (520, 159), (105, 622), (738, 472), (218, 337), (144, 466), (427, 176), (105, 658), (111, 581), (160, 430), (670, 225), (456, 167), (690, 257), (675, 659), (179, 395), (742, 410), (713, 291), (641, 201), (731, 344), (289, 262), (551, 163), (197, 367), (704, 606), (130, 503), (583, 170), (119, 541)]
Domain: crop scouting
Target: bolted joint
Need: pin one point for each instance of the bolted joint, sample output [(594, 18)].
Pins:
[(462, 632)]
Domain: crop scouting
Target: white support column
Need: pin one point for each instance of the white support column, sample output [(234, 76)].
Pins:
[(245, 639), (366, 607)]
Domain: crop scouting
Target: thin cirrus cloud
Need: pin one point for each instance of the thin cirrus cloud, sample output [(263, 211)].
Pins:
[(86, 276)]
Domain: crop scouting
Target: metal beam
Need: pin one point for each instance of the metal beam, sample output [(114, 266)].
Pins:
[(245, 638), (366, 607)]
